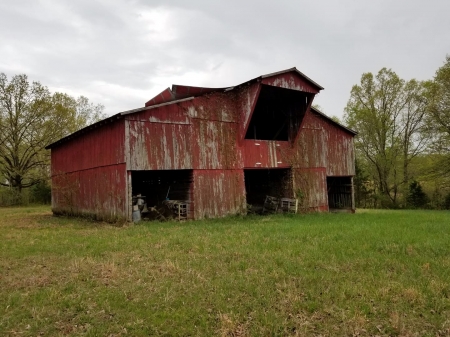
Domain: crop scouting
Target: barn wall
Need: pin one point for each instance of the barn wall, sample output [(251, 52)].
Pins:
[(339, 150), (215, 145), (89, 175), (98, 192), (266, 154), (324, 144), (196, 134), (159, 146), (217, 106), (311, 183), (100, 147), (310, 149), (218, 193)]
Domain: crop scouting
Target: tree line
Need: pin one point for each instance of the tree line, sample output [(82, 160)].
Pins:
[(31, 117), (403, 142)]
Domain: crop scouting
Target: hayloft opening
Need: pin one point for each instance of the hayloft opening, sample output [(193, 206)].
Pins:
[(278, 114), (339, 192), (160, 189), (260, 183)]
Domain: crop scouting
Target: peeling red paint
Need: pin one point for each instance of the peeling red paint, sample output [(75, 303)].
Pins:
[(291, 81), (218, 193)]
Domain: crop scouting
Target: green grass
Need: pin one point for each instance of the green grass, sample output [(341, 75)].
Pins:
[(382, 273)]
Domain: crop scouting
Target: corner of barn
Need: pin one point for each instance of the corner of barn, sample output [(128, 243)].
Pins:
[(208, 152)]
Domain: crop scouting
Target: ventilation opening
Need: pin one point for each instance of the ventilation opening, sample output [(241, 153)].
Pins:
[(260, 183), (339, 192), (278, 114), (164, 192)]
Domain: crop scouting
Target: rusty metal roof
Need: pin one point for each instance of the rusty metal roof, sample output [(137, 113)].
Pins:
[(183, 91), (342, 126), (294, 69)]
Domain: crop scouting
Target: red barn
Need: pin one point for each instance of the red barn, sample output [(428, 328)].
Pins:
[(217, 150)]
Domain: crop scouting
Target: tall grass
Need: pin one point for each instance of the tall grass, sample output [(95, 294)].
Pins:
[(372, 273)]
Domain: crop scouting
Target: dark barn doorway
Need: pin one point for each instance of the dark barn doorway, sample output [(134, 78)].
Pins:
[(278, 114), (161, 191), (260, 183), (339, 193)]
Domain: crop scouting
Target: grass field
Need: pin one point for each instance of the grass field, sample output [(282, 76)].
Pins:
[(384, 273)]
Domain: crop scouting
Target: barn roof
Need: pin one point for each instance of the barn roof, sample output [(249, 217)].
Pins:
[(181, 93)]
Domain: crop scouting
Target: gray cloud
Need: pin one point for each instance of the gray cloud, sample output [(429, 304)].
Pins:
[(121, 53)]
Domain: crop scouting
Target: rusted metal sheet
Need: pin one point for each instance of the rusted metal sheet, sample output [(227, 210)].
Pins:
[(291, 81), (310, 146), (215, 145), (338, 146), (98, 192), (163, 97), (311, 184), (169, 114), (218, 193), (340, 151), (88, 174), (180, 92), (102, 147), (321, 143), (216, 106), (245, 104), (159, 146), (266, 154)]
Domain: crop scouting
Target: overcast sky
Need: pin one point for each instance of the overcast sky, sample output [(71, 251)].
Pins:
[(122, 53)]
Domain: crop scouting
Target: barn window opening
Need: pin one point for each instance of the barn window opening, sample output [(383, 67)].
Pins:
[(278, 114), (339, 193), (162, 194), (263, 183)]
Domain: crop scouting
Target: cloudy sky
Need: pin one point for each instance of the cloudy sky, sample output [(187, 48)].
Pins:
[(120, 53)]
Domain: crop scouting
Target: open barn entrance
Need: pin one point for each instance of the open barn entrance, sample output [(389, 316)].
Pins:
[(162, 194), (339, 193), (278, 114), (263, 183)]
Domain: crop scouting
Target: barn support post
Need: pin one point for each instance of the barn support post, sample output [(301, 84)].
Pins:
[(129, 197)]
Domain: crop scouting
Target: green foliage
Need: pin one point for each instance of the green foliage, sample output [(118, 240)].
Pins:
[(362, 184), (300, 195), (371, 273), (416, 197), (41, 193), (10, 197), (439, 117), (446, 203), (390, 115), (30, 119)]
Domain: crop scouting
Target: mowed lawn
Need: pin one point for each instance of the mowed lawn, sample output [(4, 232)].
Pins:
[(384, 273)]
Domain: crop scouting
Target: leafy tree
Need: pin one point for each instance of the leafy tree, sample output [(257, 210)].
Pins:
[(388, 114), (439, 117), (30, 119), (416, 197), (446, 204), (361, 182)]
